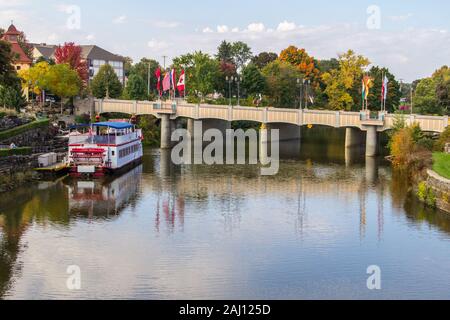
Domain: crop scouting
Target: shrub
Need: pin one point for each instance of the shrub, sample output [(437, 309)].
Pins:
[(402, 147), (15, 152), (4, 135), (443, 140), (426, 194)]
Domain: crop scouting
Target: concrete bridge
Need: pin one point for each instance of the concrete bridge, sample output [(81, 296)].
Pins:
[(288, 121)]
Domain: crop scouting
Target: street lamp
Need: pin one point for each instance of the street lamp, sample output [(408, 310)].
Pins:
[(301, 83), (308, 82), (229, 80)]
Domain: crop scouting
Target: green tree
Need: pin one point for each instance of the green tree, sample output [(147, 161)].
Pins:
[(425, 100), (225, 52), (136, 88), (281, 78), (264, 58), (11, 97), (106, 83), (144, 68), (62, 81), (343, 85), (253, 80), (394, 94), (8, 75), (202, 72), (442, 78), (242, 54)]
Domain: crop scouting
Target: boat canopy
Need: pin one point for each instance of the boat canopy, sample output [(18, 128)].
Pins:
[(114, 125)]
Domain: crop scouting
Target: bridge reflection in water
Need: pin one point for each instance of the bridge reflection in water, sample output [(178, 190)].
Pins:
[(143, 214)]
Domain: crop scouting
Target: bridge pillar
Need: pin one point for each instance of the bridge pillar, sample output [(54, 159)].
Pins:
[(166, 131), (353, 138), (372, 141)]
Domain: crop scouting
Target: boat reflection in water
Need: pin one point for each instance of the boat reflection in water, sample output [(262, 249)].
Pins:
[(103, 198)]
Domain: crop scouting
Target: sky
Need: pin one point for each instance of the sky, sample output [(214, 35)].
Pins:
[(410, 37)]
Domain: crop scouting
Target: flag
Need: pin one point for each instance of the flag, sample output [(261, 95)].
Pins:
[(367, 81), (363, 91), (158, 77), (166, 82), (385, 87), (173, 75), (181, 82)]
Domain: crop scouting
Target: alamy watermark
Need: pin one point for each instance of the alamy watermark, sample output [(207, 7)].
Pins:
[(73, 282), (374, 19), (374, 280), (191, 150)]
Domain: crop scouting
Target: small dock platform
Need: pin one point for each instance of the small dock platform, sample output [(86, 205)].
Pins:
[(54, 169)]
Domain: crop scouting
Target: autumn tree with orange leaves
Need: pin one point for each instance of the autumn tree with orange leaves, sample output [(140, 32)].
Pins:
[(302, 61), (71, 54)]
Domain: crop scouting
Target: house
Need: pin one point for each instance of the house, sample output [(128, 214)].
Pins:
[(94, 56), (21, 60)]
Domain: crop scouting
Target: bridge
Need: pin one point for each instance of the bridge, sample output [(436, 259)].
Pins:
[(288, 121)]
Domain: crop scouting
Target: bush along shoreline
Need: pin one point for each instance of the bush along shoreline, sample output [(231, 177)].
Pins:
[(425, 161)]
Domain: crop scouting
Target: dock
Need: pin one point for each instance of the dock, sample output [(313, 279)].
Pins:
[(54, 169)]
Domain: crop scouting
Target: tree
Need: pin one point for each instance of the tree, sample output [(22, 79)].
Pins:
[(264, 58), (62, 81), (394, 94), (8, 75), (128, 65), (144, 68), (225, 52), (237, 53), (136, 88), (442, 78), (253, 81), (202, 72), (302, 61), (106, 83), (71, 54), (343, 84), (11, 97), (34, 77), (425, 101), (242, 54), (281, 78)]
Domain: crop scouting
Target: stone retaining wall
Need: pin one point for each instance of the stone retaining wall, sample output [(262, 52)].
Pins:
[(441, 189)]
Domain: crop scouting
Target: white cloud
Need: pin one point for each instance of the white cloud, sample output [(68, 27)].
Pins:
[(207, 30), (235, 30), (256, 27), (222, 29), (286, 26), (53, 37), (90, 37), (401, 18), (157, 45), (120, 20)]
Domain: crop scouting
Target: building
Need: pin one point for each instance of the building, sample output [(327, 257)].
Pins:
[(94, 56), (21, 60)]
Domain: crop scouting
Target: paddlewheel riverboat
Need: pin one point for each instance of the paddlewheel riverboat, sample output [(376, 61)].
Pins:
[(103, 148)]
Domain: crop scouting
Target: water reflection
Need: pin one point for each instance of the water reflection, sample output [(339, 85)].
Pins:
[(223, 231)]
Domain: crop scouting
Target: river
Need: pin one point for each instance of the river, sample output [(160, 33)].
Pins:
[(226, 232)]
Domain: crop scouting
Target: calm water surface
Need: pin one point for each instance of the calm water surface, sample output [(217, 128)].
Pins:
[(165, 232)]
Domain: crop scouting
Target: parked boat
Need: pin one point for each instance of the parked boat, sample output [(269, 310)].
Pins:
[(105, 147)]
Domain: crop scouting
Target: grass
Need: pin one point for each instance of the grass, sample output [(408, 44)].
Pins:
[(4, 135), (15, 152), (441, 164)]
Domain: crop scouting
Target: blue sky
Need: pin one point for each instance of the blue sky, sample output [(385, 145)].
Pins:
[(412, 38)]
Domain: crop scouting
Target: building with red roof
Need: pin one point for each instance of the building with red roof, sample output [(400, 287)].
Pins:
[(21, 60)]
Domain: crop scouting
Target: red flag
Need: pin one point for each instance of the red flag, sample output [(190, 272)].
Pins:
[(181, 82), (158, 76), (173, 76), (166, 82)]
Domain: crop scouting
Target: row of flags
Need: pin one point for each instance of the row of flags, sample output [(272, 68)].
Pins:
[(169, 82), (366, 85)]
